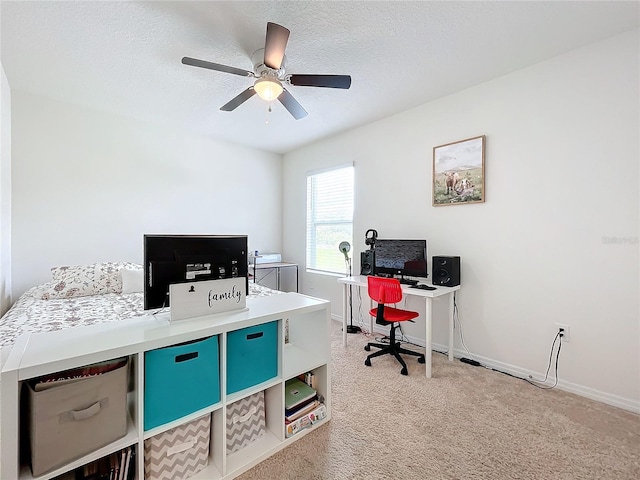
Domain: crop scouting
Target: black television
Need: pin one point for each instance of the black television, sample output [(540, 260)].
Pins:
[(171, 259), (401, 257)]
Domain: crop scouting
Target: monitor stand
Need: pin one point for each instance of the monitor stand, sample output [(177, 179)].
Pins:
[(407, 281)]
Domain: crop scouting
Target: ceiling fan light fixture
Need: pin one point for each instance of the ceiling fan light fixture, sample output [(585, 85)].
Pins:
[(268, 88)]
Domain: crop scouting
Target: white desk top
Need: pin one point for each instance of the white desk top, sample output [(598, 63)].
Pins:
[(361, 280)]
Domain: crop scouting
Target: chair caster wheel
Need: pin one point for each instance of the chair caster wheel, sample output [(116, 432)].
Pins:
[(367, 348), (367, 362), (404, 371), (420, 359)]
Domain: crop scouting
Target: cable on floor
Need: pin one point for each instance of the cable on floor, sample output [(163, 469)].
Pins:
[(536, 383)]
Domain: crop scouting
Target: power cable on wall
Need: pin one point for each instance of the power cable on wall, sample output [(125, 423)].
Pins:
[(530, 379)]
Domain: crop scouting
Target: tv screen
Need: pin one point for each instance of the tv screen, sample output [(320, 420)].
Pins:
[(401, 257), (171, 259)]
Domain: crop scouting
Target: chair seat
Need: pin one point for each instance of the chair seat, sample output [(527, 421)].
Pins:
[(392, 314), (387, 291)]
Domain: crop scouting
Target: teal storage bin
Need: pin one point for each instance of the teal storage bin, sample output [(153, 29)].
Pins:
[(252, 356), (180, 379)]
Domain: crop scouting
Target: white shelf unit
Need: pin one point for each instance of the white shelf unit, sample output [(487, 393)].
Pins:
[(307, 349)]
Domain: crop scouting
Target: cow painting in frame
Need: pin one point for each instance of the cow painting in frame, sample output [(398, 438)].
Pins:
[(458, 172)]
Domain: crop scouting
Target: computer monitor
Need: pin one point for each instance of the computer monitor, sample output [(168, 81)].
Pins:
[(401, 257), (171, 259)]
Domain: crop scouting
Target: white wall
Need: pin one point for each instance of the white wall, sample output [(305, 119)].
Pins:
[(88, 184), (5, 194), (561, 182)]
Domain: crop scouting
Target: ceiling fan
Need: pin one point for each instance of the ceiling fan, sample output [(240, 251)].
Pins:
[(269, 70)]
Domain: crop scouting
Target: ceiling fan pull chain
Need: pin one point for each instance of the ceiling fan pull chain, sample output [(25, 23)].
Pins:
[(266, 121)]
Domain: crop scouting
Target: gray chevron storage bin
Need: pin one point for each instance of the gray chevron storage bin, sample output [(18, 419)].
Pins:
[(178, 453), (245, 421)]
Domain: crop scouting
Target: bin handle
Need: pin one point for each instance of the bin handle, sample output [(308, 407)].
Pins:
[(181, 447), (186, 356), (251, 336), (88, 412), (246, 416)]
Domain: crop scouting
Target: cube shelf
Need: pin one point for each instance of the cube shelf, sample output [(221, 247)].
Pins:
[(303, 347)]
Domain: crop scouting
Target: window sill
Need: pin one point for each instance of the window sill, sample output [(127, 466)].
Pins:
[(326, 274)]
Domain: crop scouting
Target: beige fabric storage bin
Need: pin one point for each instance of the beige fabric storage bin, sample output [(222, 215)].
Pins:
[(72, 417), (245, 421), (178, 453)]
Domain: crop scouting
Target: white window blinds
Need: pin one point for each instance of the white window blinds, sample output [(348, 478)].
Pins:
[(329, 218)]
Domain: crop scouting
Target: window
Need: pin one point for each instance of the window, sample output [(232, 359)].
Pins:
[(329, 218)]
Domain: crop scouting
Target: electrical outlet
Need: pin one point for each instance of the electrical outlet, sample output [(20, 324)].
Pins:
[(565, 331)]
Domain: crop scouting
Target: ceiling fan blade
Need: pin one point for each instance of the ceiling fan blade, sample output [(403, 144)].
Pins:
[(216, 66), (238, 100), (330, 81), (274, 45), (292, 105)]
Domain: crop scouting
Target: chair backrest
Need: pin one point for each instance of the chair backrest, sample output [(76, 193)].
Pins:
[(384, 290)]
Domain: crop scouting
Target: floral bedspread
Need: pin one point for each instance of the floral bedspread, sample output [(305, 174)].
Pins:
[(33, 314)]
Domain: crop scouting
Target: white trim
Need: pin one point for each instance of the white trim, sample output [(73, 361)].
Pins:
[(315, 271), (587, 392), (310, 173)]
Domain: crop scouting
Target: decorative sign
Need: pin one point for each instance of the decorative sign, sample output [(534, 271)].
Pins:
[(197, 299)]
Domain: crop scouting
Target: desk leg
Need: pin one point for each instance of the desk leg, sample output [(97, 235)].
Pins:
[(345, 301), (451, 324), (278, 278), (427, 336)]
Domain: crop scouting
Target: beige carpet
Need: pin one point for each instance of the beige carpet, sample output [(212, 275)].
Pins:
[(464, 423)]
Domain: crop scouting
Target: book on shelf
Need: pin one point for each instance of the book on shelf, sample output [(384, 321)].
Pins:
[(297, 408), (305, 421), (116, 466), (309, 378), (297, 394), (127, 462), (310, 407)]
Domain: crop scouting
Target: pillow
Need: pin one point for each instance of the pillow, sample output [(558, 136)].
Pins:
[(107, 278), (72, 281), (73, 273), (132, 280), (95, 279), (43, 291), (66, 290)]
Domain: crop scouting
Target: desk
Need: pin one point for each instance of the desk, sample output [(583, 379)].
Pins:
[(277, 266), (428, 295)]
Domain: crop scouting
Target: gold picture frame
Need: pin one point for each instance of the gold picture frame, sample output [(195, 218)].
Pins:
[(458, 172)]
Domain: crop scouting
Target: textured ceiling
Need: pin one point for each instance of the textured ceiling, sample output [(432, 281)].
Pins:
[(124, 57)]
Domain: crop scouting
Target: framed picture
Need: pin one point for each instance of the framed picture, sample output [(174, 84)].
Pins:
[(458, 172)]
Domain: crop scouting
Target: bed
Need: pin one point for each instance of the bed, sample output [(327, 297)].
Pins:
[(82, 295)]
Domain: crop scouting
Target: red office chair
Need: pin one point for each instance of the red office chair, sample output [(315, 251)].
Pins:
[(386, 291)]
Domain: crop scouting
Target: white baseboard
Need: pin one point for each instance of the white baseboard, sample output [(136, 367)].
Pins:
[(587, 392)]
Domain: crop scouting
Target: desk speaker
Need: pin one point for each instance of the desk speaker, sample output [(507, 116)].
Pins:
[(446, 271), (367, 262)]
